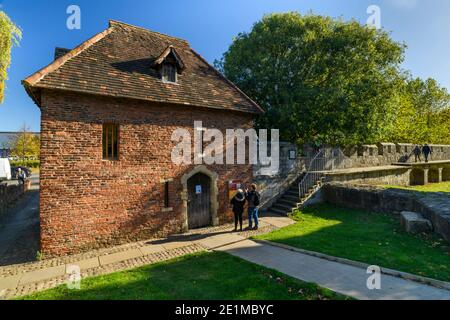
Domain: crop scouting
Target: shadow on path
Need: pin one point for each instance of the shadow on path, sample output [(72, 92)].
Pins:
[(19, 230)]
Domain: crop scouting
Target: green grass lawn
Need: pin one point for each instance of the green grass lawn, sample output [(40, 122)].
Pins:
[(367, 237), (203, 276), (432, 187)]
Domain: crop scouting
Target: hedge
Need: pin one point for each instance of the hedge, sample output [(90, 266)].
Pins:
[(26, 163)]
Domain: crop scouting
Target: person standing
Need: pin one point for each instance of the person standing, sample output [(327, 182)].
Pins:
[(417, 152), (21, 176), (426, 152), (253, 198), (238, 203)]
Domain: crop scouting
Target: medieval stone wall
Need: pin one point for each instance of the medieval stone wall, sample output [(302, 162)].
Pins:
[(434, 206), (384, 154), (88, 202), (274, 185), (395, 176), (9, 194)]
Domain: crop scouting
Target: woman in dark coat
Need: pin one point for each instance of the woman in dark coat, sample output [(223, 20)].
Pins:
[(238, 203)]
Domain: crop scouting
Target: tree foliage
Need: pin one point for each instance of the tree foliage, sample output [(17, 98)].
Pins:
[(10, 35), (25, 145), (329, 81), (422, 113)]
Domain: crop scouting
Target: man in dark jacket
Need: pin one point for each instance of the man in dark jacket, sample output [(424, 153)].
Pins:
[(417, 152), (253, 198), (238, 203), (426, 151)]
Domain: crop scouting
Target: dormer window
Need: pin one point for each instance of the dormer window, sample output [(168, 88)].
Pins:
[(169, 65), (169, 73)]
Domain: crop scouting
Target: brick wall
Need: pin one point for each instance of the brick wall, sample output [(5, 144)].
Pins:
[(87, 202)]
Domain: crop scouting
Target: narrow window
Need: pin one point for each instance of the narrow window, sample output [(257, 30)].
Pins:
[(110, 141), (169, 73), (166, 194)]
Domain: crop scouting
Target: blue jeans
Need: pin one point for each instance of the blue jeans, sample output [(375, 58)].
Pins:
[(253, 215)]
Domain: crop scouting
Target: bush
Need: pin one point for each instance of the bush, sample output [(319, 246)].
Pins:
[(26, 163)]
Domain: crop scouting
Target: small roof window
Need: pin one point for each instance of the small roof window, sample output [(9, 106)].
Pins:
[(169, 72), (169, 64)]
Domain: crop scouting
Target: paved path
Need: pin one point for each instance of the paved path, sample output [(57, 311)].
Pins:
[(28, 278), (19, 228), (24, 279), (338, 277)]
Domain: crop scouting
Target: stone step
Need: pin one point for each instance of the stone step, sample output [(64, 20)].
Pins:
[(283, 207), (279, 212), (292, 193), (290, 198), (290, 203), (415, 223)]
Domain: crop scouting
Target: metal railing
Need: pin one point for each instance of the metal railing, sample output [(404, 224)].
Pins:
[(325, 160)]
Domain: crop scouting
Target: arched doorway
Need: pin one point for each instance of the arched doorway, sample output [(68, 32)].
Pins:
[(433, 175), (417, 177), (199, 201), (446, 174), (200, 198)]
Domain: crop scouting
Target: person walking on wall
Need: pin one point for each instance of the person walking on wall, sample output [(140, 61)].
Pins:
[(238, 203), (426, 152), (417, 152), (253, 198)]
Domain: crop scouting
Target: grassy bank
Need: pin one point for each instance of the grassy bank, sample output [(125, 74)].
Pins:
[(366, 237)]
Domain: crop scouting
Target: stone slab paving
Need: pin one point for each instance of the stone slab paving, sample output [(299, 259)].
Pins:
[(342, 278), (24, 279)]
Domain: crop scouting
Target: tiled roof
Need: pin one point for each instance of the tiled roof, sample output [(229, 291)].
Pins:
[(120, 62)]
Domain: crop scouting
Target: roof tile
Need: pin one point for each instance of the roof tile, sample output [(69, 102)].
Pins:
[(119, 62)]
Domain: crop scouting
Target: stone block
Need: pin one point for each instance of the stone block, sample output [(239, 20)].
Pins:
[(120, 256), (415, 223)]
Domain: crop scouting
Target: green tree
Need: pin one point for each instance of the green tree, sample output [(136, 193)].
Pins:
[(9, 36), (25, 144), (319, 79), (422, 111)]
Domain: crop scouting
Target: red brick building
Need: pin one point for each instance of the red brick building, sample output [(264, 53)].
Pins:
[(109, 108)]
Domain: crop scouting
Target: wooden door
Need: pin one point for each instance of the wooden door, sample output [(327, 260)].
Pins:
[(199, 201)]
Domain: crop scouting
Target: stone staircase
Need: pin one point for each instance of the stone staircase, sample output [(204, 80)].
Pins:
[(308, 183), (291, 200)]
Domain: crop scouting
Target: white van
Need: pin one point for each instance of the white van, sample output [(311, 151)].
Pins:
[(5, 169)]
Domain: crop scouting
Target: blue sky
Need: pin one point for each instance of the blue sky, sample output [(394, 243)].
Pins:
[(209, 25)]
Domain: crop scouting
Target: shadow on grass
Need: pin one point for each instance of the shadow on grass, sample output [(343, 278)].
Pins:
[(204, 276), (372, 238)]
